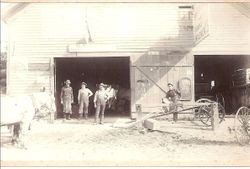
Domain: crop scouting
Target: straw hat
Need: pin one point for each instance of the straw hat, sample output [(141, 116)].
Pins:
[(170, 84), (67, 82), (83, 83)]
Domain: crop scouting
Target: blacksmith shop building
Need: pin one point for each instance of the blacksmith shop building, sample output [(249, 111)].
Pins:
[(138, 47)]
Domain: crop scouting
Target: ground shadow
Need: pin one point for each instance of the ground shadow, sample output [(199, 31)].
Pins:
[(199, 141), (164, 55), (162, 131)]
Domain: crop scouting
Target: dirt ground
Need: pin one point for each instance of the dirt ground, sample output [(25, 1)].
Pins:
[(80, 142)]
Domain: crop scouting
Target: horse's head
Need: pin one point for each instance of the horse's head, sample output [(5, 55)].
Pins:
[(44, 103)]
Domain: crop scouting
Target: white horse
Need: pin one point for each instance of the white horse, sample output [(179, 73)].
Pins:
[(45, 106), (112, 97), (17, 112), (118, 98)]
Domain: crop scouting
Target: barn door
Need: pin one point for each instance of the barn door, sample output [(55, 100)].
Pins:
[(151, 82), (148, 89)]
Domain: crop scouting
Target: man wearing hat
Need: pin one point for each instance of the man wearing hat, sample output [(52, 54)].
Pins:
[(172, 96), (83, 100), (67, 99), (100, 100)]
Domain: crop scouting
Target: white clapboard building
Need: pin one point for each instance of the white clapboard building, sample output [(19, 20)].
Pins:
[(139, 47)]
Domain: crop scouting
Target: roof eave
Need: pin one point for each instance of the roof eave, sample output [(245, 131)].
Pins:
[(11, 12)]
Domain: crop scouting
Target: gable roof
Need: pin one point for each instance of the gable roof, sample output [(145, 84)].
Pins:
[(11, 10), (243, 8)]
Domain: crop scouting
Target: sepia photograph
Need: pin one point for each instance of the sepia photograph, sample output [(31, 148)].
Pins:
[(125, 83)]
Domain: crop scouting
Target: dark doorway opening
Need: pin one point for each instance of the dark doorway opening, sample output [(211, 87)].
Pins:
[(214, 79), (94, 70)]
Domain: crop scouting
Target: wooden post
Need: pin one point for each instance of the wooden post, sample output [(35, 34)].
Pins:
[(139, 113), (215, 116)]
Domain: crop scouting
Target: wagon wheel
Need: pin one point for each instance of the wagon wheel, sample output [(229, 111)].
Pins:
[(196, 110), (242, 125), (203, 100), (205, 113)]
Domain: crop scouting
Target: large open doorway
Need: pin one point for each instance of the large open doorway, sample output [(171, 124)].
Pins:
[(214, 79), (95, 70)]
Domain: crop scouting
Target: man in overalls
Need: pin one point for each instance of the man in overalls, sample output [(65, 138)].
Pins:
[(100, 100), (83, 100), (67, 99), (173, 97)]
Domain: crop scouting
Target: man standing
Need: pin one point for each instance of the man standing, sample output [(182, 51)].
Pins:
[(83, 100), (173, 96), (67, 99), (100, 100)]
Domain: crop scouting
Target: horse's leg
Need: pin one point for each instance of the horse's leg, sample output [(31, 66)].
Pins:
[(16, 133), (113, 104), (22, 136), (109, 103), (11, 129)]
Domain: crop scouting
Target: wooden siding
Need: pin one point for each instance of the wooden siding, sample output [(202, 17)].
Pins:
[(34, 41), (228, 32)]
